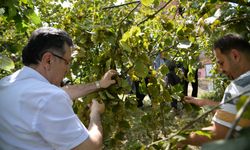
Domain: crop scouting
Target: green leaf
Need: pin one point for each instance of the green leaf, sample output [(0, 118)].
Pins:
[(33, 16), (145, 118), (6, 63), (191, 39), (212, 1), (166, 95), (120, 135), (179, 138), (187, 107), (203, 133), (24, 1), (145, 59), (164, 69), (169, 25), (180, 31), (154, 90), (12, 11), (124, 83), (125, 46), (141, 69), (130, 103), (240, 103), (147, 2), (175, 96), (124, 124), (102, 95), (133, 31), (110, 96)]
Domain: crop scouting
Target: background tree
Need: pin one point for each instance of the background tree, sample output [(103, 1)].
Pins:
[(127, 37)]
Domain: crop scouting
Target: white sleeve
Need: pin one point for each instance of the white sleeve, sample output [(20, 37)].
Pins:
[(57, 123)]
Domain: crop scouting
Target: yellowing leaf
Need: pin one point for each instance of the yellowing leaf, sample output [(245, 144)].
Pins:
[(147, 2), (6, 63), (240, 103), (203, 133), (133, 31), (33, 17), (24, 1)]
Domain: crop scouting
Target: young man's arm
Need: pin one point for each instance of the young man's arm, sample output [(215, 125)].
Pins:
[(200, 102), (218, 132), (80, 90)]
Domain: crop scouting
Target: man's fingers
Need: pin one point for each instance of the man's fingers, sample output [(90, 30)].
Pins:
[(113, 81), (112, 72), (109, 74)]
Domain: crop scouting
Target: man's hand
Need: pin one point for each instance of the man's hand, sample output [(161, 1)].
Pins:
[(193, 100), (95, 138), (200, 102), (80, 90), (107, 80), (97, 107)]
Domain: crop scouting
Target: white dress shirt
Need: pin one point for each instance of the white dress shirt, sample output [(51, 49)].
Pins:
[(36, 115)]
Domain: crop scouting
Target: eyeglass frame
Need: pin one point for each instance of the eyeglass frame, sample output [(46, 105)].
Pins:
[(60, 57)]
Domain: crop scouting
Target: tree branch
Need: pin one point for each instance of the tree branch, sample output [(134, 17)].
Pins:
[(243, 3), (238, 117), (129, 13), (153, 15), (191, 123), (116, 6), (236, 19)]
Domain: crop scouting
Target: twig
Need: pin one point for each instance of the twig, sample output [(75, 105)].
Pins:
[(116, 6), (238, 117), (129, 13), (191, 123), (243, 3), (153, 15), (236, 19)]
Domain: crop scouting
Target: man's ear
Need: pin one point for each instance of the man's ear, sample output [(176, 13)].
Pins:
[(46, 60), (235, 55)]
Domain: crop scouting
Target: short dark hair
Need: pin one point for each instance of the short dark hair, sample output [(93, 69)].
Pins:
[(42, 40), (232, 41)]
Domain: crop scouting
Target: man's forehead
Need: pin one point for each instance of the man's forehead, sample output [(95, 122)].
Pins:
[(71, 48), (68, 48)]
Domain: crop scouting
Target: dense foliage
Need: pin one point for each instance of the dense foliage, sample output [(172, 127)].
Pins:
[(127, 37)]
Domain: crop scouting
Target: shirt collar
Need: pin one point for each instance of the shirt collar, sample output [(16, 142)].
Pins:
[(243, 75), (28, 72)]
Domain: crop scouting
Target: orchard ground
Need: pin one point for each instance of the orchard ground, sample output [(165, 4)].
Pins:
[(204, 86)]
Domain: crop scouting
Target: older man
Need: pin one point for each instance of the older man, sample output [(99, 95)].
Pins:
[(35, 112)]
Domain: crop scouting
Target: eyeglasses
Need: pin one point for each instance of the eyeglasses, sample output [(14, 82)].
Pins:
[(60, 57)]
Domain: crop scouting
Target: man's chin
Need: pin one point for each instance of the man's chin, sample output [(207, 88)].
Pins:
[(230, 77)]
